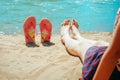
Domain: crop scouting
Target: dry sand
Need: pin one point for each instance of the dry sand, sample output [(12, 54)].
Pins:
[(19, 62)]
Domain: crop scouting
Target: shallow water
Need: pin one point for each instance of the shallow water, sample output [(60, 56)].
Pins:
[(92, 15)]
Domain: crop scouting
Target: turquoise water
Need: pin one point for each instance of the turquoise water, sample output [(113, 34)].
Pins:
[(92, 15)]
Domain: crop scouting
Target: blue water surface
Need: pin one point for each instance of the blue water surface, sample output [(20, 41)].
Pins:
[(92, 15)]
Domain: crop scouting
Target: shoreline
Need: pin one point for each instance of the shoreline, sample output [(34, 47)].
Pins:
[(89, 35)]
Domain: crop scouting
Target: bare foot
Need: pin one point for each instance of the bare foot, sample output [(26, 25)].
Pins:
[(74, 22), (74, 32), (65, 23)]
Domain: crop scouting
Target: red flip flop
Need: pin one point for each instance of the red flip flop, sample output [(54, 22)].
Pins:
[(46, 30), (29, 29)]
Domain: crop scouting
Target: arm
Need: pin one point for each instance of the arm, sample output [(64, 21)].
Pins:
[(106, 65), (109, 58)]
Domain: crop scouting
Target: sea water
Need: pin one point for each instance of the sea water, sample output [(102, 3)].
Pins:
[(92, 15)]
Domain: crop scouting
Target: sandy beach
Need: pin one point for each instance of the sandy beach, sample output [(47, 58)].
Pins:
[(19, 62)]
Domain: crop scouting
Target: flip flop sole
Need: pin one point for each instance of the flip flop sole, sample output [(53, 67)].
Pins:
[(45, 29), (29, 29)]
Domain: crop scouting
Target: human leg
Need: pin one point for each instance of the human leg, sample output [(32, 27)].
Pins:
[(90, 41), (78, 46), (66, 38), (72, 45)]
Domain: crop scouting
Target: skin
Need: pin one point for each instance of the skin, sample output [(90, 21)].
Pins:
[(110, 57), (77, 46)]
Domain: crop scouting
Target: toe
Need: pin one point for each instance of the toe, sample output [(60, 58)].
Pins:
[(74, 22)]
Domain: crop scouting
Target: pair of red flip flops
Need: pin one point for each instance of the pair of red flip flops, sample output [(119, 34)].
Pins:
[(30, 30)]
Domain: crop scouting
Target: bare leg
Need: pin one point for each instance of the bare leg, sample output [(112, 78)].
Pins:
[(71, 44), (66, 38), (78, 46), (110, 57)]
